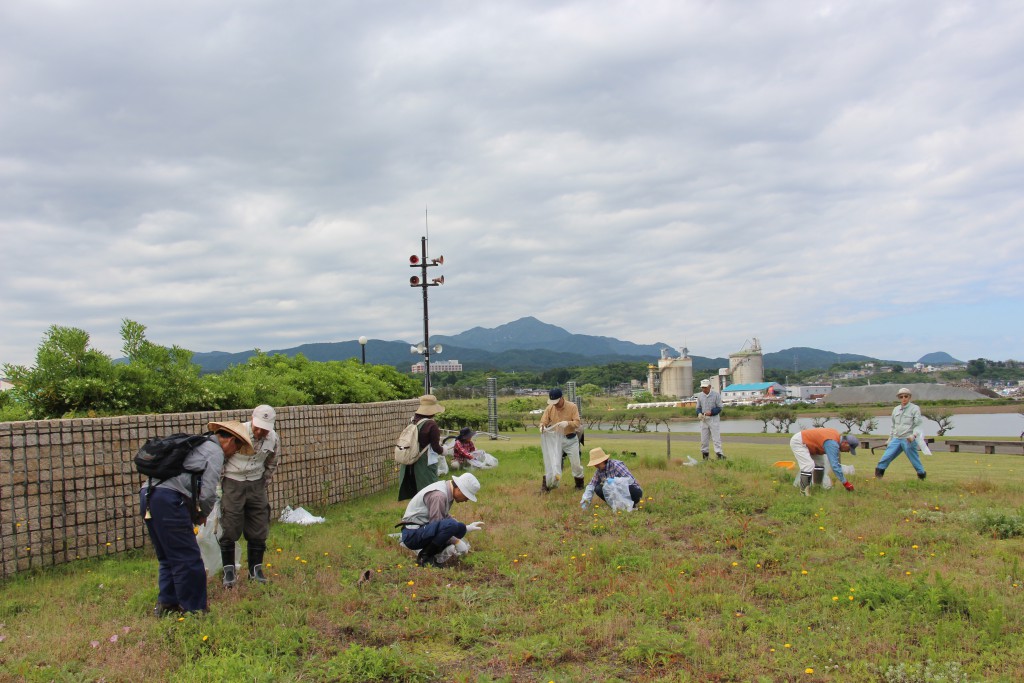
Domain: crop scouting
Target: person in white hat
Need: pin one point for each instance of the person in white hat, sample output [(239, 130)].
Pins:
[(422, 473), (166, 509), (906, 421), (427, 525), (606, 469), (709, 407), (245, 505)]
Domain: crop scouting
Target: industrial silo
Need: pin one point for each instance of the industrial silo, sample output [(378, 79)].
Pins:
[(676, 374), (746, 366)]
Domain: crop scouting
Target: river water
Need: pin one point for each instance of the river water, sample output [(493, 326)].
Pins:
[(978, 425)]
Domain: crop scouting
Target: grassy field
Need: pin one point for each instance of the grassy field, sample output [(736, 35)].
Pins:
[(726, 574)]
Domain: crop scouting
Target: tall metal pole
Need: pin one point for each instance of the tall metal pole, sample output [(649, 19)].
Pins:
[(426, 320)]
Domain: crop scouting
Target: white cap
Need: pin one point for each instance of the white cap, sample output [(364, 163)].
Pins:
[(705, 383), (263, 417), (468, 484)]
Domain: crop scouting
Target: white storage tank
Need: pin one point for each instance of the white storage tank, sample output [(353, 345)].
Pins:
[(676, 374), (746, 366)]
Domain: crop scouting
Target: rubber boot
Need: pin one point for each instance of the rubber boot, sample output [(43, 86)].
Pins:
[(228, 558), (879, 473), (579, 482), (818, 475), (255, 560), (721, 456), (706, 455), (805, 484), (922, 475)]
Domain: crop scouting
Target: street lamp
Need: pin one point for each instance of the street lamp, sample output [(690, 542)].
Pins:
[(362, 343), (422, 262)]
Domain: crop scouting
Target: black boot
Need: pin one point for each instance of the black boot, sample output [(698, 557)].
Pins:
[(255, 560), (228, 559), (879, 473), (922, 475), (805, 484), (706, 455), (721, 456), (579, 482)]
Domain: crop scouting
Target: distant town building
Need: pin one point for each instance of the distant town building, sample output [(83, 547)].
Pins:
[(5, 384), (753, 392), (438, 366), (808, 392)]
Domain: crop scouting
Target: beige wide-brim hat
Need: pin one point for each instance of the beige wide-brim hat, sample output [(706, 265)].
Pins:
[(597, 456), (237, 430), (429, 405)]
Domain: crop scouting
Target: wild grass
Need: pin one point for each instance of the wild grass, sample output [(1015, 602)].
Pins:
[(726, 574)]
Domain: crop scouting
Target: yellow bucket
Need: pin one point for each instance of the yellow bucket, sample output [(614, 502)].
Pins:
[(785, 464)]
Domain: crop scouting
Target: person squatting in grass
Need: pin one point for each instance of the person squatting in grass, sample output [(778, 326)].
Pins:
[(565, 416), (422, 473), (906, 421), (182, 575), (462, 450), (245, 506), (427, 525), (809, 447), (709, 407), (606, 469)]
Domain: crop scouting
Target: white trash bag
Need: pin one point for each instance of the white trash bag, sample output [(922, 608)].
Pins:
[(551, 443), (208, 538), (483, 460), (616, 493), (299, 516), (442, 465)]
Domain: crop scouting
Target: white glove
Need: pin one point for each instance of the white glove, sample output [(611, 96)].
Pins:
[(474, 526), (563, 424)]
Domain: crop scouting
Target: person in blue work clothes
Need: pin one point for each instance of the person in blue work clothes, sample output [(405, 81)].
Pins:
[(427, 525), (168, 516), (606, 469), (811, 446), (709, 407), (906, 421)]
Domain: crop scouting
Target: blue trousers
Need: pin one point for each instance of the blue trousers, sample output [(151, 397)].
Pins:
[(897, 446), (182, 573), (433, 537)]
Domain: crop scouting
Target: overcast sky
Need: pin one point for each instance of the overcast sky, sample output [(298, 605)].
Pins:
[(235, 175)]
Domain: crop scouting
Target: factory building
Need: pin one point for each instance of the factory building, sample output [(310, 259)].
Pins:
[(746, 366), (673, 376)]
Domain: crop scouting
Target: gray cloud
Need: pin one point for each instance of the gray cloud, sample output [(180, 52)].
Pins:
[(255, 175)]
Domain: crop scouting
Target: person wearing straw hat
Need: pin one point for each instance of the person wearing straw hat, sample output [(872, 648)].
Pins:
[(422, 473), (244, 504), (182, 575), (906, 422), (427, 525), (606, 469), (811, 446)]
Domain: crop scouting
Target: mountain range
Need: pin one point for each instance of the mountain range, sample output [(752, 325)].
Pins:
[(531, 345)]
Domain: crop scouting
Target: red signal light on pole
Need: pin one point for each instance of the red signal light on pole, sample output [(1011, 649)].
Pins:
[(414, 281), (414, 260)]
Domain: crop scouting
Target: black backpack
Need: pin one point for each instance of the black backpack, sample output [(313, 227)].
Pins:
[(164, 457)]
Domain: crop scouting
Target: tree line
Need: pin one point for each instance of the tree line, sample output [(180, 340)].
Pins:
[(71, 379)]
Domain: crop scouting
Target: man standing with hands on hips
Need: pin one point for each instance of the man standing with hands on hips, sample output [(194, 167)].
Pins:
[(709, 407), (245, 505), (565, 416)]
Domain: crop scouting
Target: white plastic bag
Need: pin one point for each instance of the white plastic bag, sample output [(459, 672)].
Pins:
[(551, 442), (922, 443), (442, 466), (450, 551), (616, 493), (483, 460), (298, 516), (208, 538)]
